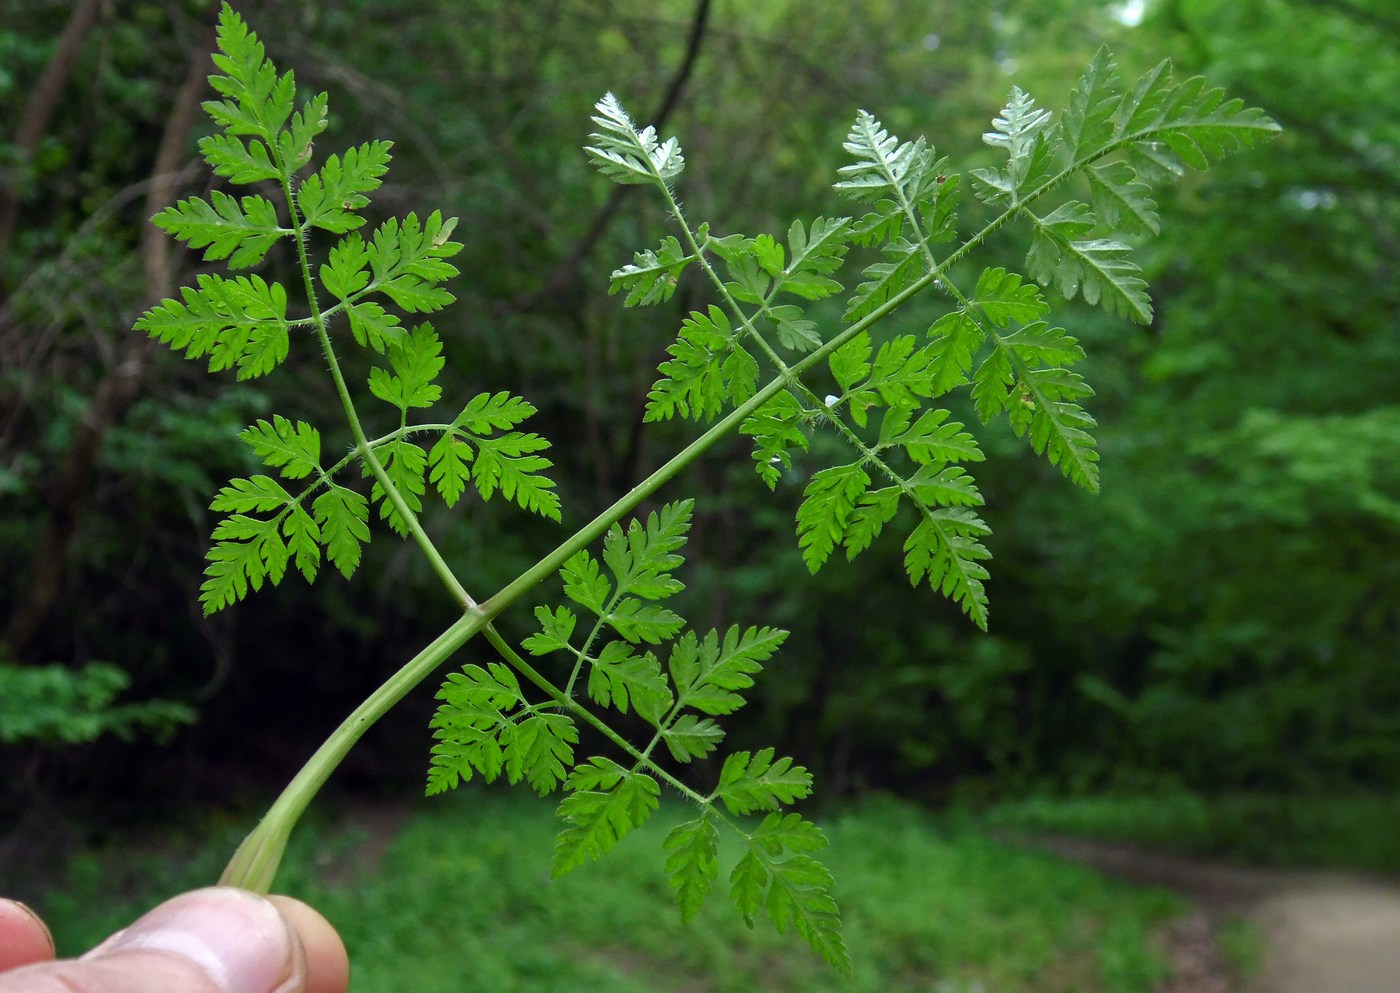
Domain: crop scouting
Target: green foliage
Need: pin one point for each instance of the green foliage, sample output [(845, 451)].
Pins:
[(754, 361), (1349, 830), (242, 323), (1021, 916), (605, 800), (53, 704), (486, 725)]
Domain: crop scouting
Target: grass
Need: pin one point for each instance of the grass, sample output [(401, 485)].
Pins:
[(1348, 832), (462, 898), (1242, 944)]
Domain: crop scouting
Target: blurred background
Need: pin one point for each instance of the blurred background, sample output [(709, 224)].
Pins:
[(1204, 656)]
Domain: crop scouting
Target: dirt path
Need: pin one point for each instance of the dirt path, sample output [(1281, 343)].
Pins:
[(1323, 931)]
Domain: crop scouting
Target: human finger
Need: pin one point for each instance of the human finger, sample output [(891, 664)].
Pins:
[(216, 940), (327, 964), (23, 937)]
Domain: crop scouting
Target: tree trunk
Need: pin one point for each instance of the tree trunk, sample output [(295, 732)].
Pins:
[(118, 387)]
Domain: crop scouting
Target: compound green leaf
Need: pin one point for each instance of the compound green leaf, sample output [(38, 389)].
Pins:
[(1088, 122), (950, 486), (1097, 267), (1020, 130), (619, 677), (875, 509), (1005, 299), (404, 463), (693, 863), (259, 101), (343, 516), (643, 622), (850, 364), (475, 694), (643, 558), (539, 749), (234, 567), (690, 737), (1039, 344), (345, 275), (374, 327), (257, 494), (794, 330), (1192, 119), (293, 447), (993, 385), (1042, 399), (606, 803), (708, 366), (955, 338), (653, 276), (756, 781), (241, 231), (471, 724), (907, 173), (790, 832), (707, 674), (776, 428), (237, 161), (815, 254), (629, 156), (449, 466), (246, 551), (584, 582), (800, 896), (416, 360), (507, 462), (329, 198), (825, 513), (749, 281), (748, 882), (487, 412), (1121, 201), (240, 322), (899, 376), (944, 547), (556, 628), (303, 541), (295, 143), (455, 761), (934, 440), (884, 280), (408, 258)]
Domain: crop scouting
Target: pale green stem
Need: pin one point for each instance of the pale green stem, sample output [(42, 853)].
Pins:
[(255, 863)]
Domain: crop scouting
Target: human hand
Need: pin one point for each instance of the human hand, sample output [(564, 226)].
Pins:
[(216, 940)]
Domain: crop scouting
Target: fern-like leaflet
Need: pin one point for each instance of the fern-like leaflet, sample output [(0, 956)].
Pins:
[(1116, 141), (704, 677), (242, 324)]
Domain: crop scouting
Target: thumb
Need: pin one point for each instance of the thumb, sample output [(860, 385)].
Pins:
[(217, 940)]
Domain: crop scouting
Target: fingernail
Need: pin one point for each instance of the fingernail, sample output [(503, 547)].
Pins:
[(236, 938), (38, 921)]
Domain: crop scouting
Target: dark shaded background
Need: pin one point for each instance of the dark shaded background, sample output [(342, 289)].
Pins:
[(1223, 617)]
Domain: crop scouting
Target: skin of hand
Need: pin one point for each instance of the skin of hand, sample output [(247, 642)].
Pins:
[(215, 940)]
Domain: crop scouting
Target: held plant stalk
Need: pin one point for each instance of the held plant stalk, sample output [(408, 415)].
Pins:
[(615, 645)]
